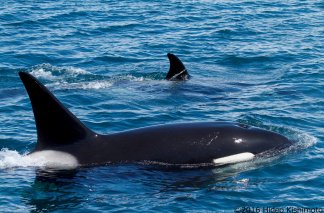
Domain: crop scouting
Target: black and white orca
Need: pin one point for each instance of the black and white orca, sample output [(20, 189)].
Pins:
[(64, 141)]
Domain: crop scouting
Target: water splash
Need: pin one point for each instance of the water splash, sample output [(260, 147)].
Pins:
[(50, 72), (95, 85), (65, 77), (11, 159), (45, 159)]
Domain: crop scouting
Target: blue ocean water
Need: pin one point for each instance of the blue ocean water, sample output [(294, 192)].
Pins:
[(255, 62)]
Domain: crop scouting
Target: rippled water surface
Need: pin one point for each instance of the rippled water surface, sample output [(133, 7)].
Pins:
[(254, 62)]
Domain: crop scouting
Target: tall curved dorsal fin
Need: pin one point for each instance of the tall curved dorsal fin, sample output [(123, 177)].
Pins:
[(55, 124), (177, 70)]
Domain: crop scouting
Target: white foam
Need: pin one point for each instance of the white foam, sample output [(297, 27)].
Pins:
[(11, 159), (245, 156), (133, 78), (44, 159), (41, 72), (96, 85), (47, 71), (304, 140), (75, 70)]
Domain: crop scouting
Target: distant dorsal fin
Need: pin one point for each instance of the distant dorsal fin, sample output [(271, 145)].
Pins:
[(55, 124), (177, 70)]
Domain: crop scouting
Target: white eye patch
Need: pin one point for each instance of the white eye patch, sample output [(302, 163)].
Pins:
[(241, 157)]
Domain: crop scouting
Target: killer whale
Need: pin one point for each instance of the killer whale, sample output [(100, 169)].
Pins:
[(63, 139), (177, 71)]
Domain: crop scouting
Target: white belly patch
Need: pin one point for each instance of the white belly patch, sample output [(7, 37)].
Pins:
[(241, 157), (53, 159)]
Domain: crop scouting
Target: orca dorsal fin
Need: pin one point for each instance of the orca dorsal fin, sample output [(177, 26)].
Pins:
[(55, 124), (177, 70)]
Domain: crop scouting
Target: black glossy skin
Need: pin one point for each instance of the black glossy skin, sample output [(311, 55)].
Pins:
[(190, 143), (187, 143)]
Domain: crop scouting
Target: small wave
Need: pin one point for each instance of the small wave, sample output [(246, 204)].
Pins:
[(41, 72), (46, 159), (116, 59), (117, 26), (65, 77), (89, 85), (244, 60), (129, 77), (12, 159), (50, 72), (303, 140), (105, 82)]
